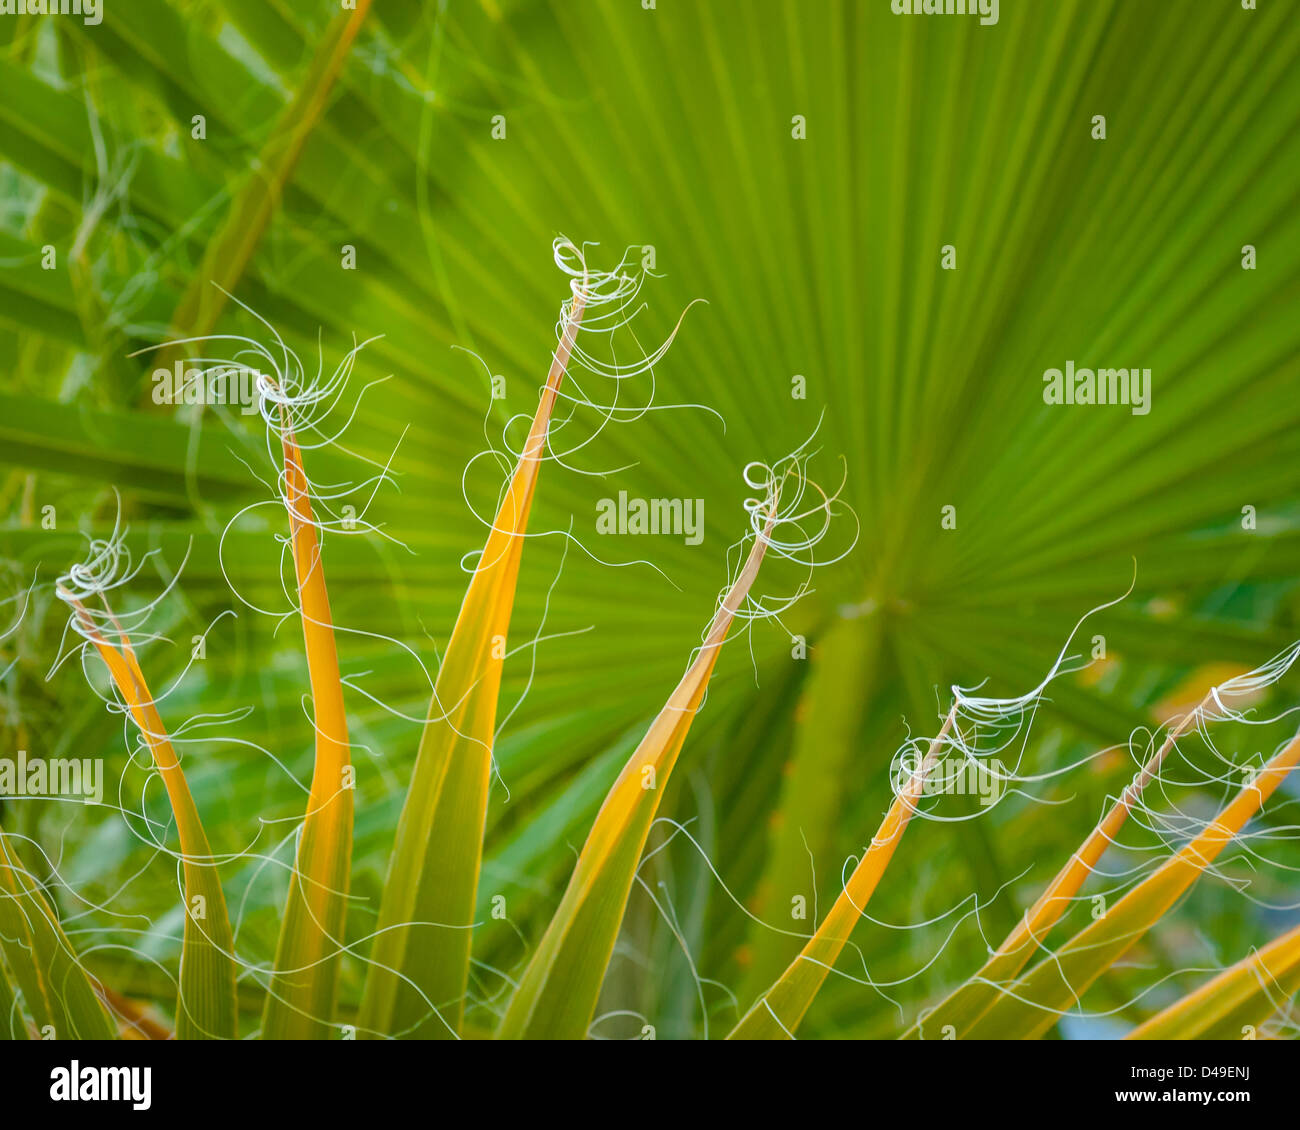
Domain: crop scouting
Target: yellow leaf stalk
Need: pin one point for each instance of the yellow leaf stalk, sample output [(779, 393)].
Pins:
[(206, 1007), (1234, 1004), (300, 1001), (557, 994), (1035, 1002), (965, 1005), (420, 962)]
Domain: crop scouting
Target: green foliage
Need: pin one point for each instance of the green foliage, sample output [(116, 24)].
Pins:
[(820, 258)]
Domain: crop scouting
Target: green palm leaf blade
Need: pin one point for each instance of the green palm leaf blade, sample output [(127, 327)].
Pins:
[(831, 716), (819, 257), (159, 458), (12, 1024), (56, 990), (253, 207)]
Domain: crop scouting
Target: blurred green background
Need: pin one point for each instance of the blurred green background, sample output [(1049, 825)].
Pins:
[(820, 257)]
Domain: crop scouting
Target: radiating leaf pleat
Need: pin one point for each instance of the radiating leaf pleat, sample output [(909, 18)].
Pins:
[(256, 202), (142, 453)]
